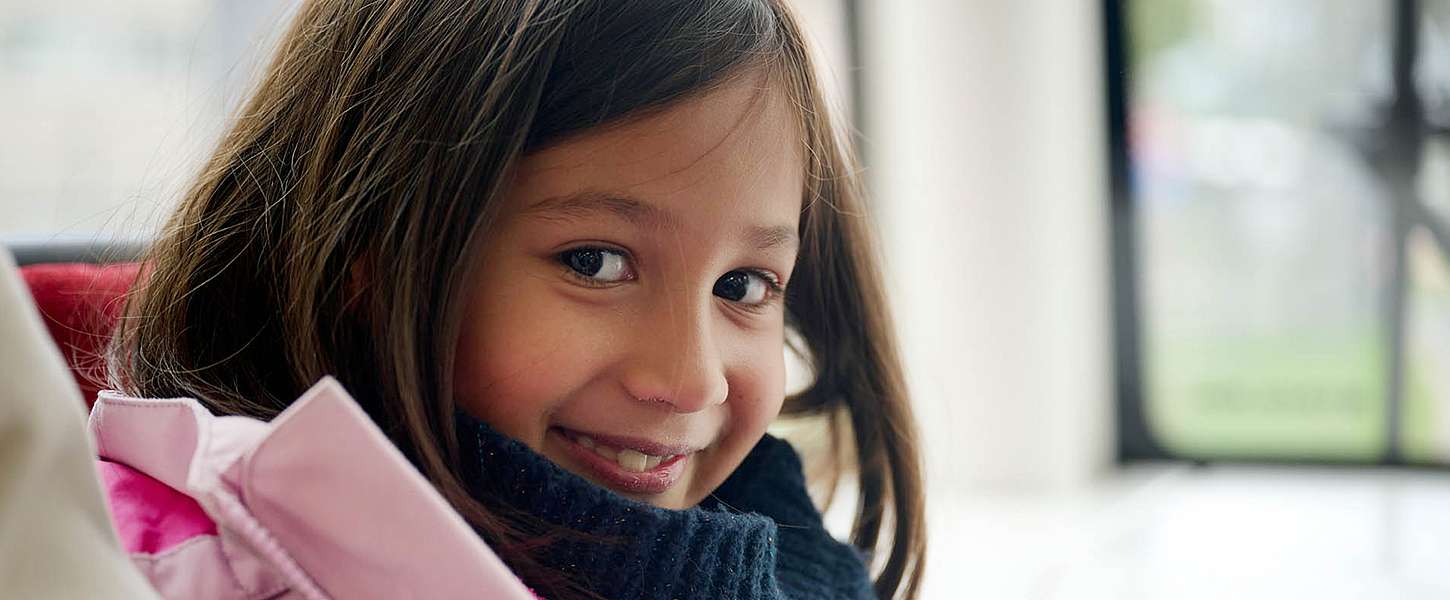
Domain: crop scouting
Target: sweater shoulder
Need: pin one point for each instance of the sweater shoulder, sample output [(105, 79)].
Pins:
[(810, 562)]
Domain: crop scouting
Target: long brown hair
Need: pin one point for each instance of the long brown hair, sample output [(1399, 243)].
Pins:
[(376, 143)]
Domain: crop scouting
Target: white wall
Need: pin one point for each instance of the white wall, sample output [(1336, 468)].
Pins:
[(986, 156), (107, 109)]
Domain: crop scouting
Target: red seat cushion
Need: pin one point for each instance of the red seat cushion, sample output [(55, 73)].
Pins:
[(80, 304)]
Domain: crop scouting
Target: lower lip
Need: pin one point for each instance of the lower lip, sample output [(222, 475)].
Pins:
[(608, 472)]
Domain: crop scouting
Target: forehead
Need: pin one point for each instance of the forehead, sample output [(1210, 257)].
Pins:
[(734, 150)]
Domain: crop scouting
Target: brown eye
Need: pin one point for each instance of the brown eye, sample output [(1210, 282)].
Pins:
[(744, 287), (599, 264)]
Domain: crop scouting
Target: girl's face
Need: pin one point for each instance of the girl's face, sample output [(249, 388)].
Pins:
[(626, 319)]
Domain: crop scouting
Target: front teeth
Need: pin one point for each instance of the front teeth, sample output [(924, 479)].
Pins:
[(633, 461), (601, 450)]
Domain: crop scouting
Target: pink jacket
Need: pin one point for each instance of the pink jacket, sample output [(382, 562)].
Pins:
[(316, 504)]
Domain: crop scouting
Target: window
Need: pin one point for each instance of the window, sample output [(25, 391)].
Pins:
[(1282, 228)]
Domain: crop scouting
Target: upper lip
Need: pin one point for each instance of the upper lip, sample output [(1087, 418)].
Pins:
[(641, 445)]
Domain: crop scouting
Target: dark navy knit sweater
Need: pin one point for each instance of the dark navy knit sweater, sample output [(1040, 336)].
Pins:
[(758, 536)]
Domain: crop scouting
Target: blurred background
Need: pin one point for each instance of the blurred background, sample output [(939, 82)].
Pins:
[(1172, 276)]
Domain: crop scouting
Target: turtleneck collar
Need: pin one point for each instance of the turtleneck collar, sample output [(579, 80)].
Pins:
[(629, 549)]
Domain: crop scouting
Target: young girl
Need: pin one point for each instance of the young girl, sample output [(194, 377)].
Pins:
[(554, 248)]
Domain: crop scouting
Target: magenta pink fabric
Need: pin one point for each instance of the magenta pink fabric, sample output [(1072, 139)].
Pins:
[(150, 517), (316, 504)]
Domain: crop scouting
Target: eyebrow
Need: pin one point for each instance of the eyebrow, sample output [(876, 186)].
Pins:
[(583, 205)]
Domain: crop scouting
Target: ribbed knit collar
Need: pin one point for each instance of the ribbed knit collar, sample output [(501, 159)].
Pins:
[(702, 552)]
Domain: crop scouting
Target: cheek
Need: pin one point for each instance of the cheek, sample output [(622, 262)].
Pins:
[(519, 357), (759, 392)]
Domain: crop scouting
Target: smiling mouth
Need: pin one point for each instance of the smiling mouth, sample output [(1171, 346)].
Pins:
[(625, 465)]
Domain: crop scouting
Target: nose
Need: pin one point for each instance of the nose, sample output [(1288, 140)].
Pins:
[(675, 360)]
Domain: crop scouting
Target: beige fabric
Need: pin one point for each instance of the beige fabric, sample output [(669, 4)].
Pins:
[(56, 538)]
